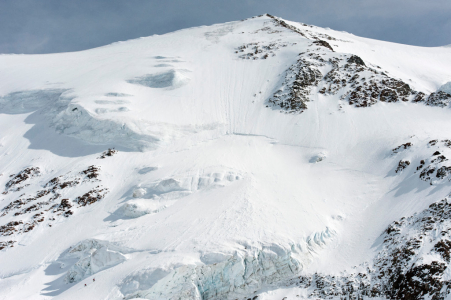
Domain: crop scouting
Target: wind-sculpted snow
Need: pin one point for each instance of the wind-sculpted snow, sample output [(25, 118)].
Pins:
[(142, 280), (46, 102), (76, 121), (154, 197), (57, 110), (117, 95), (171, 79), (30, 101), (141, 207)]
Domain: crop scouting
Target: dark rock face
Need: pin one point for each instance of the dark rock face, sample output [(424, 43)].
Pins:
[(419, 97), (10, 228), (402, 165), (388, 95), (305, 33), (348, 75), (414, 253), (434, 168), (323, 44), (91, 173), (443, 172), (355, 81), (404, 276), (91, 197), (107, 153), (300, 78), (6, 244), (41, 203), (398, 271), (440, 99), (258, 50), (354, 59), (360, 85), (364, 86), (17, 180), (402, 147)]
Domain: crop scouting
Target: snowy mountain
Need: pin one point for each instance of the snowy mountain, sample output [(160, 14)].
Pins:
[(258, 159)]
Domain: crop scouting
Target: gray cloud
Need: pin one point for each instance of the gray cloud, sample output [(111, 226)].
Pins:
[(45, 26)]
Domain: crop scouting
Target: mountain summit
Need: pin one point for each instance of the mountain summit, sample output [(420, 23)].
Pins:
[(257, 159)]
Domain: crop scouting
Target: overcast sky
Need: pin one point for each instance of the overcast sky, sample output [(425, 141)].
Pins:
[(45, 26)]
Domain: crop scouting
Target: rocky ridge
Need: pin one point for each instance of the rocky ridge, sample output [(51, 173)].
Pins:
[(45, 205), (412, 263), (322, 71)]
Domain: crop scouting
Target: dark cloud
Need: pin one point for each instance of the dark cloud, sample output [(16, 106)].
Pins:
[(44, 26)]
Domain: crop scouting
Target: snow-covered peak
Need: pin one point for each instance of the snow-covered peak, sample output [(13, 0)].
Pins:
[(216, 162)]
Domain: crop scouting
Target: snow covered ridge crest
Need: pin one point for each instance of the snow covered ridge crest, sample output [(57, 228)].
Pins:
[(321, 69), (345, 74)]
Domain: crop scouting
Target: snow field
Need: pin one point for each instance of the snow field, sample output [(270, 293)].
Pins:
[(212, 195)]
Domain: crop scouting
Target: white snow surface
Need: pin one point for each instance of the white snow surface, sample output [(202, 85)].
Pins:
[(446, 87), (207, 179)]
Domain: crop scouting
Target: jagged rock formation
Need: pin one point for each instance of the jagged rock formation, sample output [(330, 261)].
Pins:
[(402, 147), (41, 203), (402, 165), (109, 152), (300, 79), (260, 50), (348, 77), (411, 264), (356, 82), (440, 99)]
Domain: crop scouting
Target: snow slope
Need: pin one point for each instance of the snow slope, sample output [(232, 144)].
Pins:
[(215, 190)]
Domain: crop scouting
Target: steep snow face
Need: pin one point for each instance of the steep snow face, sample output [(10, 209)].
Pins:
[(224, 162)]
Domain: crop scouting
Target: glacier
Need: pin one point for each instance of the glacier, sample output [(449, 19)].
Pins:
[(255, 159)]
